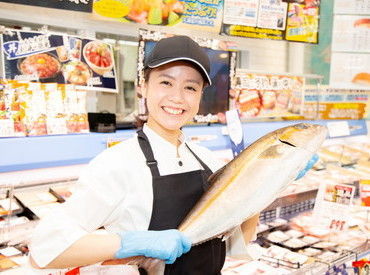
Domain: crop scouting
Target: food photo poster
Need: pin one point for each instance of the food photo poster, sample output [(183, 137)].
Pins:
[(53, 58)]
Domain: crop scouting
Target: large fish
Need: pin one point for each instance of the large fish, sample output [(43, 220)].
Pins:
[(249, 183)]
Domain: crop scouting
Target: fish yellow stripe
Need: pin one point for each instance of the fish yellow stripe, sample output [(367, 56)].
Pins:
[(210, 201)]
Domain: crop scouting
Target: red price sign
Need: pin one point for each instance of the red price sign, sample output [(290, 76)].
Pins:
[(337, 225)]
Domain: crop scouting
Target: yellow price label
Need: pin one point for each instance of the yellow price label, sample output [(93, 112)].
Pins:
[(112, 8)]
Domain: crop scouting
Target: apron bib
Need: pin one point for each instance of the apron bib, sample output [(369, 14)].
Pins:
[(173, 197)]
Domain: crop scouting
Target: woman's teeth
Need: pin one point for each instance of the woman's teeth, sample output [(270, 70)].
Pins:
[(173, 111)]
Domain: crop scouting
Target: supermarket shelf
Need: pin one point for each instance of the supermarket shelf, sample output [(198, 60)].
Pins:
[(50, 151)]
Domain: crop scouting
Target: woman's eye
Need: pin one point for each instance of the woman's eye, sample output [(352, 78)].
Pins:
[(166, 83), (191, 89)]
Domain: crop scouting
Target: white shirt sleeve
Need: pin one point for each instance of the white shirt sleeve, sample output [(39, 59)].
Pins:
[(97, 195)]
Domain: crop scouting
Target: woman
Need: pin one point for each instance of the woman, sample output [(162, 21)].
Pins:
[(141, 189)]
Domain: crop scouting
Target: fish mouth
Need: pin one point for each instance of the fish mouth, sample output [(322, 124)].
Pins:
[(286, 142)]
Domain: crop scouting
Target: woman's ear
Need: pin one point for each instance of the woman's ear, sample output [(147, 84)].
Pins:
[(143, 89)]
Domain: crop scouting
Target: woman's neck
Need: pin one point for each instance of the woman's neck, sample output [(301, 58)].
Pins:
[(171, 136)]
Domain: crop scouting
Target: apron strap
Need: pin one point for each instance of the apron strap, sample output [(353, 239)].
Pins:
[(205, 167), (150, 160), (148, 153)]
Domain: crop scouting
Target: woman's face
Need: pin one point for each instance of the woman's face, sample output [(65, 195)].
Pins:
[(173, 94)]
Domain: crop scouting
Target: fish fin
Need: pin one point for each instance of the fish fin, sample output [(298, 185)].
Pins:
[(228, 233), (215, 175)]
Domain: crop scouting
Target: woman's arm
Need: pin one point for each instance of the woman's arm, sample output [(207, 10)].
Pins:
[(249, 228), (90, 249)]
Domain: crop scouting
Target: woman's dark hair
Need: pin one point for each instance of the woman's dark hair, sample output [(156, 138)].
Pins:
[(141, 118)]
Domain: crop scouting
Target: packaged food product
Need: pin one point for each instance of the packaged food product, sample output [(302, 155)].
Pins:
[(277, 236)]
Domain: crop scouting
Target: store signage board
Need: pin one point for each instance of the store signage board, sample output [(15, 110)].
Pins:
[(338, 129), (198, 15), (351, 34), (352, 7), (267, 95), (333, 204), (235, 131), (328, 103), (275, 20), (54, 58), (350, 70), (74, 5)]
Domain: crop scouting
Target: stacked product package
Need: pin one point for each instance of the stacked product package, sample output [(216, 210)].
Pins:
[(34, 109)]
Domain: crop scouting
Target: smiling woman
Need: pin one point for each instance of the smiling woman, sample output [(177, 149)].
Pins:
[(141, 189)]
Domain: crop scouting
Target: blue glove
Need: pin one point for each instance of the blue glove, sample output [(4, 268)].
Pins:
[(309, 165), (166, 245)]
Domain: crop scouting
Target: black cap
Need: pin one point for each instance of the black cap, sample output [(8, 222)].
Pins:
[(178, 48)]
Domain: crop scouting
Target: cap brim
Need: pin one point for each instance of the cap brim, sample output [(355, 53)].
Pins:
[(164, 61)]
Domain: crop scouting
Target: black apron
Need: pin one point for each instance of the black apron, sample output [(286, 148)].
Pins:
[(173, 197)]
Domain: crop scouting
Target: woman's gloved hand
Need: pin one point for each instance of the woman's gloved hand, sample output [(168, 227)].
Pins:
[(166, 245), (309, 165)]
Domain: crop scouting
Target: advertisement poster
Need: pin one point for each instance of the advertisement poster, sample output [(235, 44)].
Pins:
[(350, 71), (255, 19), (302, 23), (336, 104), (74, 5), (352, 7), (196, 14), (332, 207), (276, 20), (239, 12), (53, 58), (351, 33), (272, 14), (263, 95)]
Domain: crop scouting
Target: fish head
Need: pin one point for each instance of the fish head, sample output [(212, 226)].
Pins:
[(303, 135)]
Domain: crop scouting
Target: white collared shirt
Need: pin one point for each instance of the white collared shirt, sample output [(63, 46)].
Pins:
[(114, 192)]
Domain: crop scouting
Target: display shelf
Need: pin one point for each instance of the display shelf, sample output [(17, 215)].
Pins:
[(50, 151)]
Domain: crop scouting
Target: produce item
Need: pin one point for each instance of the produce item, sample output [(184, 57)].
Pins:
[(276, 252), (363, 22), (44, 209), (7, 206), (294, 243), (158, 12), (268, 99), (277, 236), (76, 72), (330, 156), (365, 192), (98, 56), (294, 233), (249, 102), (362, 78), (35, 198), (6, 263), (13, 221), (249, 183), (293, 257), (310, 239), (328, 256), (43, 65), (310, 252), (324, 244), (277, 222)]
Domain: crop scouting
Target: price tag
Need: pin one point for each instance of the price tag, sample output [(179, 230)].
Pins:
[(338, 129), (235, 130), (6, 128), (332, 207)]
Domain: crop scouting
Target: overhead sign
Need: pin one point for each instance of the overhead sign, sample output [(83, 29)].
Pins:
[(55, 58), (74, 5)]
